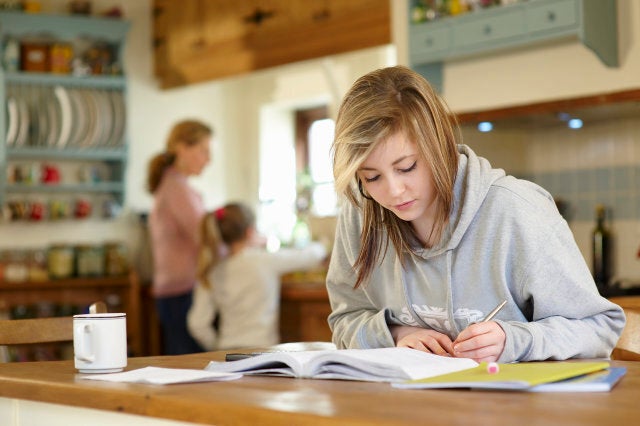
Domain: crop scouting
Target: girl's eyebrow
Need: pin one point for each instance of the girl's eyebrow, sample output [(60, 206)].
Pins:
[(393, 164)]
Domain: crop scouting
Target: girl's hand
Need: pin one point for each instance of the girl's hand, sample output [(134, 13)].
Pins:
[(482, 341), (422, 339)]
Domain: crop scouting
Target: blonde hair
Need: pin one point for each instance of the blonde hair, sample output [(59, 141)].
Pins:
[(224, 226), (378, 105), (188, 132)]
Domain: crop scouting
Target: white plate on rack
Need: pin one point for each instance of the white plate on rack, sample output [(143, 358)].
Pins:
[(31, 137), (64, 107), (53, 113), (107, 117), (119, 118), (12, 120), (39, 108), (79, 118), (23, 128), (92, 129), (102, 119)]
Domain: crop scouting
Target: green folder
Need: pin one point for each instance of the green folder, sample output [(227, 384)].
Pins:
[(519, 376)]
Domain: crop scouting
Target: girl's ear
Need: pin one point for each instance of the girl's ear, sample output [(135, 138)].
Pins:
[(254, 238)]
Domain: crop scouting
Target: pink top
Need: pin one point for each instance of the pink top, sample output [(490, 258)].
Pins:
[(174, 224)]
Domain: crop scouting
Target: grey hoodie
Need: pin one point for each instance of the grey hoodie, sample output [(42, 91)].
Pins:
[(505, 241)]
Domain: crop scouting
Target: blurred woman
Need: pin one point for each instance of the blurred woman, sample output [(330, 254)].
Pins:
[(174, 221)]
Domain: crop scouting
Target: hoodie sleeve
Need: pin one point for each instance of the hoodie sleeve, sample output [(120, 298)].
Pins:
[(568, 317), (355, 322)]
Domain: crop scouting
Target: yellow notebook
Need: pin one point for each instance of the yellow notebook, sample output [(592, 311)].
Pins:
[(519, 376)]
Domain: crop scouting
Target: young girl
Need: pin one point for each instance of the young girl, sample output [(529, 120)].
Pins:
[(174, 221), (241, 292), (433, 239)]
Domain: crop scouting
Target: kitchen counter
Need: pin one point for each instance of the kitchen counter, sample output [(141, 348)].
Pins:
[(304, 307)]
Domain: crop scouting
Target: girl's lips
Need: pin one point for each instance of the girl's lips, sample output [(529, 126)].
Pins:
[(405, 206)]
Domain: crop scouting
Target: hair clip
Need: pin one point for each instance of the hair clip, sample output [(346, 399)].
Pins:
[(219, 213)]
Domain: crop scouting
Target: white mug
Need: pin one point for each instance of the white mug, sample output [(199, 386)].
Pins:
[(100, 342)]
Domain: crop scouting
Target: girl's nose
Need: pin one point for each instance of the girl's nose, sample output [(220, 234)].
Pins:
[(395, 186)]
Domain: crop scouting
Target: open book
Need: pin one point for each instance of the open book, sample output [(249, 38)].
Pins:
[(524, 376), (375, 365)]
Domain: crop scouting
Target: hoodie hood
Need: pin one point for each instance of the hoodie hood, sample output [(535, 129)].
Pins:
[(473, 181)]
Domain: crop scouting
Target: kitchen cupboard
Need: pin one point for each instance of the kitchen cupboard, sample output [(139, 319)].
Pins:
[(63, 111), (518, 25), (196, 40), (304, 308)]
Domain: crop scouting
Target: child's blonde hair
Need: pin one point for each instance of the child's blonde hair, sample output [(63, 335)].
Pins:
[(224, 226)]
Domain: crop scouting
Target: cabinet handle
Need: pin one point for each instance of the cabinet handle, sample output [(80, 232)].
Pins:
[(487, 30), (551, 16)]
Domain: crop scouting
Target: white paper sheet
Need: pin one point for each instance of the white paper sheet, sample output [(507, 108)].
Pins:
[(163, 376)]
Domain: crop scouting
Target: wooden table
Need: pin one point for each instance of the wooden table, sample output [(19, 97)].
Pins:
[(627, 302), (273, 400)]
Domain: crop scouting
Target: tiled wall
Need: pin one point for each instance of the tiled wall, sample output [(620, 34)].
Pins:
[(616, 187), (599, 163)]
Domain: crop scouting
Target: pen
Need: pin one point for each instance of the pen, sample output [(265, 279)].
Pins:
[(493, 313)]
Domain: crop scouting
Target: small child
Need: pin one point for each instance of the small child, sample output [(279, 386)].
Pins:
[(240, 293)]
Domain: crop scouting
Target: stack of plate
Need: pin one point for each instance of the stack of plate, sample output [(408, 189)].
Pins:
[(59, 117)]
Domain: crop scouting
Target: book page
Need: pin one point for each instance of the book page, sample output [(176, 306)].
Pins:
[(386, 364)]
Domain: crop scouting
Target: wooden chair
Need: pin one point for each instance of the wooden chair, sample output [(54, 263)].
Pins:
[(36, 330), (628, 347), (42, 330)]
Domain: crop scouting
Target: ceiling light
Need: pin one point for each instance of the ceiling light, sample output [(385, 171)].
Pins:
[(575, 123), (485, 126)]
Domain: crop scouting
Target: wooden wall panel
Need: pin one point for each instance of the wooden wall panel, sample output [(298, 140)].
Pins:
[(200, 40)]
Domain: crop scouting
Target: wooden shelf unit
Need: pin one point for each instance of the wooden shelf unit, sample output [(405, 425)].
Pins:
[(123, 290)]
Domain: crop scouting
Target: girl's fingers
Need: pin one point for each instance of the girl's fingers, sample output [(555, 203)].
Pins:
[(481, 342)]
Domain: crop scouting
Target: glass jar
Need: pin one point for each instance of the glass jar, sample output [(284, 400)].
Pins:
[(60, 55), (37, 263), (15, 266), (115, 259), (60, 261), (89, 261)]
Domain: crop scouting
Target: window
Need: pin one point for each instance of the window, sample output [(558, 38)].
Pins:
[(296, 171), (314, 132)]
